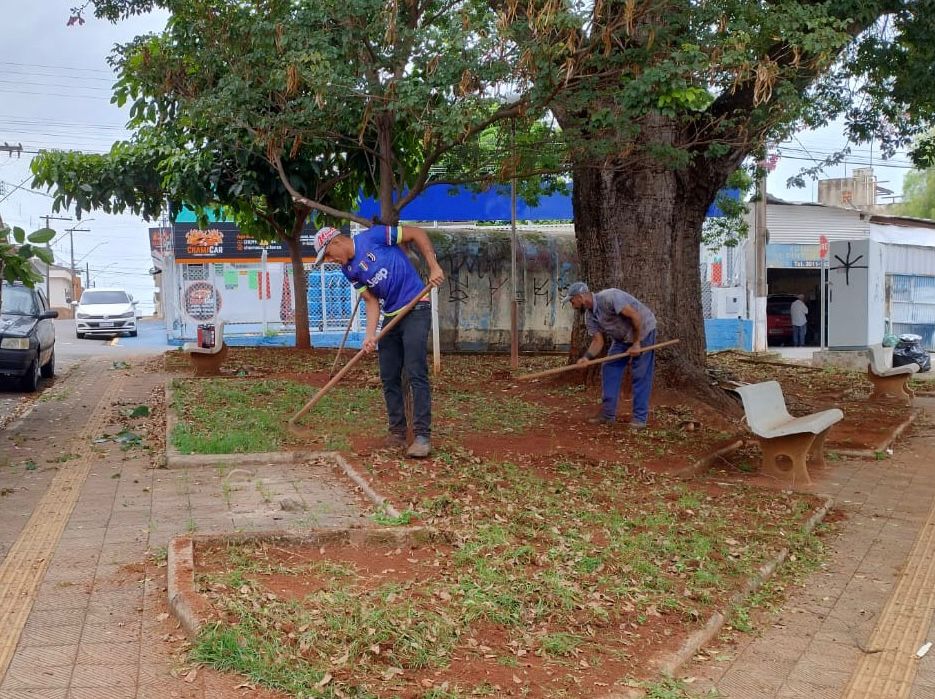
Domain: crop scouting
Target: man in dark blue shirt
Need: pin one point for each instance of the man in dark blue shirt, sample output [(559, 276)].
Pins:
[(380, 270)]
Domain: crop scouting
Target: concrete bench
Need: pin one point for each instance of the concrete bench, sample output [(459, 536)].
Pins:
[(801, 440), (207, 361), (889, 381)]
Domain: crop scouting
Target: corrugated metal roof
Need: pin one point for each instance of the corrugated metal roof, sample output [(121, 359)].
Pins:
[(804, 223), (909, 259)]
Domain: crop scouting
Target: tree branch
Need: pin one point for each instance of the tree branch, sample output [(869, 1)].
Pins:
[(310, 203)]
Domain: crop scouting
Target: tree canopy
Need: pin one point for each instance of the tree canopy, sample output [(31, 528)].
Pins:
[(919, 194), (650, 105)]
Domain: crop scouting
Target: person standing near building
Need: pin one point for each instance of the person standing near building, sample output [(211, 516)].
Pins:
[(799, 316), (380, 270), (615, 315)]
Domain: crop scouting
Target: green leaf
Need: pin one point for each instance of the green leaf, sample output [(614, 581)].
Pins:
[(19, 235), (45, 255), (43, 235)]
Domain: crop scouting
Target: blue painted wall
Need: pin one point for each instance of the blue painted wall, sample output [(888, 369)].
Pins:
[(446, 203), (728, 333)]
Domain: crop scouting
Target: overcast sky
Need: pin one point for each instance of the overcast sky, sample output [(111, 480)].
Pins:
[(55, 93)]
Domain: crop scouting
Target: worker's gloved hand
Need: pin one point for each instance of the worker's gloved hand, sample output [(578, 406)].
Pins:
[(370, 343)]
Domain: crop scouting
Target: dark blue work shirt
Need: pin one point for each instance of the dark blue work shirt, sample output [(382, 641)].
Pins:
[(381, 266)]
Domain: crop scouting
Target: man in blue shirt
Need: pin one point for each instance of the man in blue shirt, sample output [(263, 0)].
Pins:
[(629, 325), (380, 270)]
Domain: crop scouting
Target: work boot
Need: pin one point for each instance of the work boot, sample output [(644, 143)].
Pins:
[(420, 448), (600, 420), (394, 441), (636, 425)]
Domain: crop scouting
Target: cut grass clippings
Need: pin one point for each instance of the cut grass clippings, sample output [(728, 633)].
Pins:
[(549, 582)]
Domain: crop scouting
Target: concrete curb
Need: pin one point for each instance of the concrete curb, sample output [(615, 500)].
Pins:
[(184, 602), (885, 444), (670, 664), (175, 459), (192, 610)]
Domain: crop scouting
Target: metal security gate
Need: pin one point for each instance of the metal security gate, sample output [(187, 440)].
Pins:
[(257, 299), (912, 306), (331, 300)]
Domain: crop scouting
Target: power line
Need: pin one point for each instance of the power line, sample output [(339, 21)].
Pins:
[(52, 94), (32, 73), (40, 65), (66, 86)]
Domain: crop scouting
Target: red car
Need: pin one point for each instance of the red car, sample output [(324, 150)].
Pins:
[(779, 319)]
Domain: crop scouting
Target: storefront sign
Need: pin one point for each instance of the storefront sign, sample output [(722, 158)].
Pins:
[(792, 256), (224, 242)]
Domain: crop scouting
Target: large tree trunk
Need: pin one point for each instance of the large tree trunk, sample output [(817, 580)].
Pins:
[(638, 228)]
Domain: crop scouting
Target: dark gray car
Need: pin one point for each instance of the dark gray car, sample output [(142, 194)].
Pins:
[(27, 336)]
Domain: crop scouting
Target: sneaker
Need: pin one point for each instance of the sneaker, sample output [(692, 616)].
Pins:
[(394, 441), (420, 448), (637, 425), (600, 420)]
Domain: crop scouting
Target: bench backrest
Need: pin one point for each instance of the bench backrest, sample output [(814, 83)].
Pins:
[(877, 358), (764, 405)]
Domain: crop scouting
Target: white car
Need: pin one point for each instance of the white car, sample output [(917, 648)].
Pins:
[(105, 312)]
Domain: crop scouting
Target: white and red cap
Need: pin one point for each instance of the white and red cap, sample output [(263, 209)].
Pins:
[(322, 238)]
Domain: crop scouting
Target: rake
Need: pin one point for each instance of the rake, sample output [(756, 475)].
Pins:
[(293, 425)]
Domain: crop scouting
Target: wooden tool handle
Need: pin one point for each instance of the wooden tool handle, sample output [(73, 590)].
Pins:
[(347, 331), (353, 360), (593, 362)]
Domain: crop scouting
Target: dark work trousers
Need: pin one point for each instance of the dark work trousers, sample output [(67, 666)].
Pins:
[(405, 347), (642, 372)]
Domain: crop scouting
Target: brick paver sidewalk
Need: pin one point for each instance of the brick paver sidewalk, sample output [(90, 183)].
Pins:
[(86, 616), (97, 626), (855, 626)]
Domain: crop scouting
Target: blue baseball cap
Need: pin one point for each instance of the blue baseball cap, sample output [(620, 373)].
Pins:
[(575, 289)]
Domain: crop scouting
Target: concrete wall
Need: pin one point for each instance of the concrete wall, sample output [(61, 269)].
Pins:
[(475, 300), (728, 333)]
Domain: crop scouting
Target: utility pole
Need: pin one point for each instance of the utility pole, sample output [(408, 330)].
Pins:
[(71, 242), (7, 148), (761, 237), (87, 275), (48, 266)]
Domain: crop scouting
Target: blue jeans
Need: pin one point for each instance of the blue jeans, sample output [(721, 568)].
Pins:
[(405, 347), (798, 335), (642, 373)]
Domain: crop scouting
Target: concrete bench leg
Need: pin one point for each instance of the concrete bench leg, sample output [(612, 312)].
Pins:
[(816, 454), (208, 364), (794, 447), (892, 386)]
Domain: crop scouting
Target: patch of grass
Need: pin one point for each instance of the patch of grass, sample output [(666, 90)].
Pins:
[(402, 520), (48, 396), (541, 555), (559, 644), (671, 688), (223, 416), (263, 489), (478, 413), (160, 555)]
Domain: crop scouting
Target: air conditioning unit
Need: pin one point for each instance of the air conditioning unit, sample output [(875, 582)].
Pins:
[(728, 302)]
